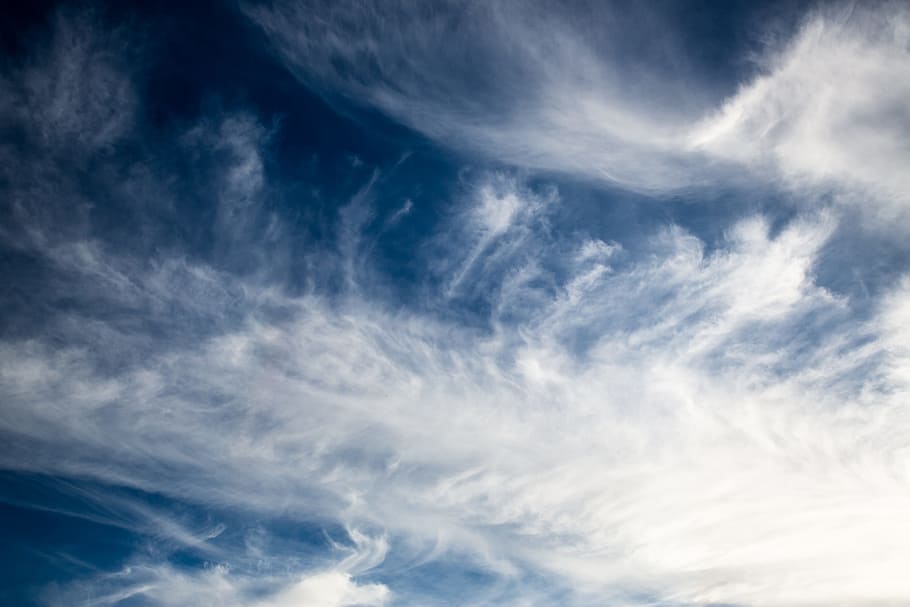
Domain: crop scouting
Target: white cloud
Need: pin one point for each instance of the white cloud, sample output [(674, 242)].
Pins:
[(332, 589), (700, 447), (692, 425), (554, 92), (557, 91), (154, 583), (498, 224), (168, 587), (830, 109)]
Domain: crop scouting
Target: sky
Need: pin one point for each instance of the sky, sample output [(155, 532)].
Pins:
[(455, 303)]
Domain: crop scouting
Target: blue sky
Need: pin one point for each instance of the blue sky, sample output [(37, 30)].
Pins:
[(350, 303)]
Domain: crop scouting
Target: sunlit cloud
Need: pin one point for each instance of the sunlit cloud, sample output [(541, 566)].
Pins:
[(823, 110), (684, 416)]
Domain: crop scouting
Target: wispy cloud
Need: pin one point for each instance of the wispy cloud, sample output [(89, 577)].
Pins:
[(824, 110), (554, 93), (830, 109), (688, 422), (166, 586), (695, 448)]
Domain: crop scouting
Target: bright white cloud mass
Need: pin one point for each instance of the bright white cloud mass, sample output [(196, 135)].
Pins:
[(603, 323)]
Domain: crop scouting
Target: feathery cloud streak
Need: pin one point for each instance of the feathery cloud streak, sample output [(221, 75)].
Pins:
[(688, 422), (558, 91)]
